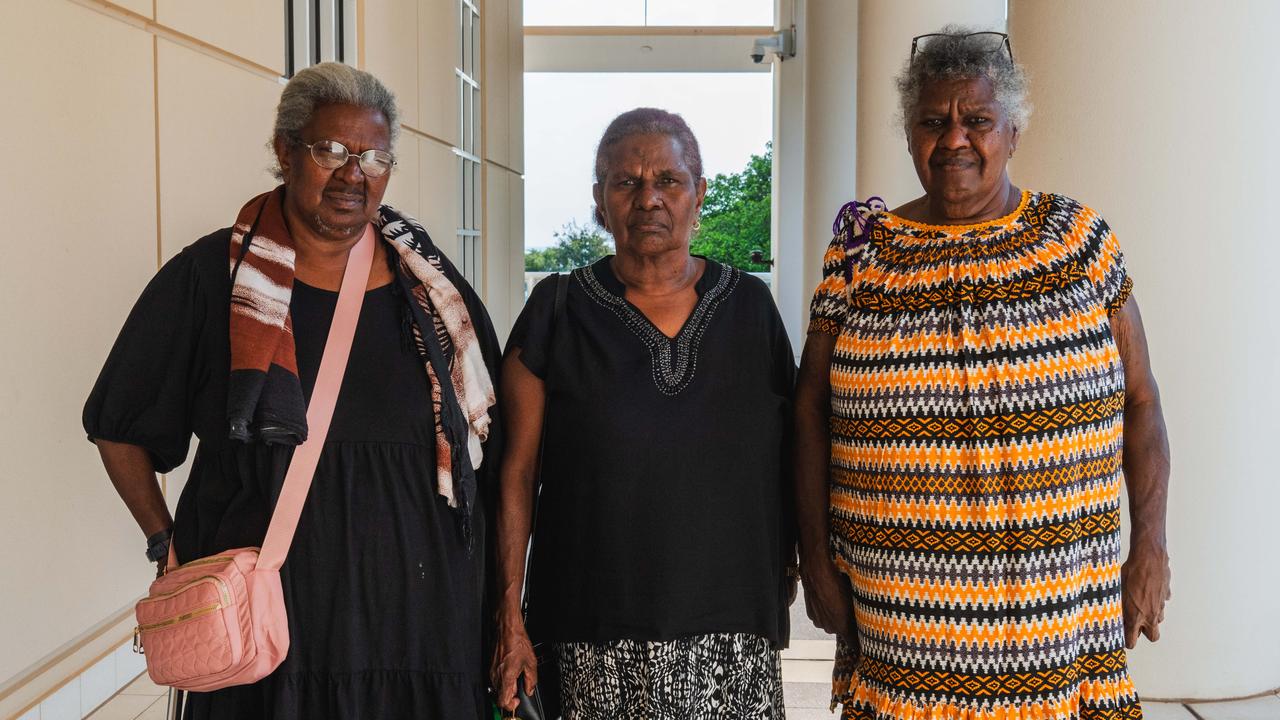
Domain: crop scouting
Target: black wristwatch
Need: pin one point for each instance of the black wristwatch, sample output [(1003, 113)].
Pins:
[(158, 545)]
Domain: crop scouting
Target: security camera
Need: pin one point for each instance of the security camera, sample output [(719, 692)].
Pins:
[(781, 43)]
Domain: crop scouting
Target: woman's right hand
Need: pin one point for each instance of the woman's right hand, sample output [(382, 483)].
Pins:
[(828, 597), (512, 658)]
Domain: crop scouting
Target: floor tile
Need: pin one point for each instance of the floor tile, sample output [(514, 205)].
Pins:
[(1263, 708), (157, 709), (810, 714), (810, 650), (806, 695), (124, 707), (1165, 711), (811, 671), (97, 684), (144, 686)]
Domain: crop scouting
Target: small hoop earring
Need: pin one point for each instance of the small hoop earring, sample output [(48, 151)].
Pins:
[(697, 224)]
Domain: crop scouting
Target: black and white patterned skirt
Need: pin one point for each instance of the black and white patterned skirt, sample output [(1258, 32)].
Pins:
[(721, 676)]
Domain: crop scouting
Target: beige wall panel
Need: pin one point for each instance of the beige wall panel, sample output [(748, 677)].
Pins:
[(83, 188), (515, 89), (215, 120), (1190, 194), (402, 190), (437, 58), (439, 188), (391, 51), (252, 29), (496, 82), (504, 248), (497, 237)]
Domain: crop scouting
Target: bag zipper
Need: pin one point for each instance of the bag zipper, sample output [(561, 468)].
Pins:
[(222, 590)]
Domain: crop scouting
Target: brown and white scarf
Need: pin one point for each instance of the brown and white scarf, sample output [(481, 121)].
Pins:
[(264, 398)]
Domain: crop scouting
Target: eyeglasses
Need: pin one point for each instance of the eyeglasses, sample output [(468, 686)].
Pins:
[(997, 40), (331, 155)]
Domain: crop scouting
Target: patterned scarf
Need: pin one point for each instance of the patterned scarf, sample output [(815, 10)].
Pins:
[(264, 398)]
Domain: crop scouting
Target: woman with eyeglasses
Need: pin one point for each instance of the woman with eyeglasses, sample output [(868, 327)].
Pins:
[(383, 582), (974, 384)]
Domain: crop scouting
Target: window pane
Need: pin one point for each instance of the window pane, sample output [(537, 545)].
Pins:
[(474, 70), (462, 195), (584, 12), (711, 12)]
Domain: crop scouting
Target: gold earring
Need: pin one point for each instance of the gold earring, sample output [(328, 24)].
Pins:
[(697, 224)]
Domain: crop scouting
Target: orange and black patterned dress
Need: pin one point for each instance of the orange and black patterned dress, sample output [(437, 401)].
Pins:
[(977, 401)]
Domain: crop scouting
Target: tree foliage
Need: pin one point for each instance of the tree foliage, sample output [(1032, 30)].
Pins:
[(576, 246), (736, 215)]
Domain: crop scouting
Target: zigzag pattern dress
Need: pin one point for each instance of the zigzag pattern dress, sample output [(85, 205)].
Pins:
[(977, 401)]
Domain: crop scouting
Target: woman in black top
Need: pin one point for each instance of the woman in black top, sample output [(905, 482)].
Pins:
[(658, 570), (384, 580)]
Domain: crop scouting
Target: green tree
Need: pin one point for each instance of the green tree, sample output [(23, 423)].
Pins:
[(576, 245), (736, 215)]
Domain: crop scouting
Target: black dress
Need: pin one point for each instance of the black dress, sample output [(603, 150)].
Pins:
[(383, 597), (665, 503)]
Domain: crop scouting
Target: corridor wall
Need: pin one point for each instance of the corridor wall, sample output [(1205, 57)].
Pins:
[(132, 128)]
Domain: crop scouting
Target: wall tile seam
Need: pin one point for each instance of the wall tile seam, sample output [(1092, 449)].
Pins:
[(178, 37)]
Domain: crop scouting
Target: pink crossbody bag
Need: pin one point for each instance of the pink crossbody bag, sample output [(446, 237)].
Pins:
[(220, 620)]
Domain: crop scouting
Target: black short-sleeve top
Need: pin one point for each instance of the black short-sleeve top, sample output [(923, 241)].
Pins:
[(664, 508)]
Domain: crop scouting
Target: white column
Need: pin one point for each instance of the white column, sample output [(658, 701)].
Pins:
[(884, 46), (791, 256), (831, 126), (814, 153), (1162, 115)]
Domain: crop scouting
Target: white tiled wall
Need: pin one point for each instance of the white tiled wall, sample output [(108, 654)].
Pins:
[(80, 697)]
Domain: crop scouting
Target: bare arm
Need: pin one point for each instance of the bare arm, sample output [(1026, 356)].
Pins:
[(827, 595), (522, 400), (1145, 574), (134, 478)]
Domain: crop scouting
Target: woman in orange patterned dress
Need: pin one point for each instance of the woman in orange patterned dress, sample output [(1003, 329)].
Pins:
[(974, 383)]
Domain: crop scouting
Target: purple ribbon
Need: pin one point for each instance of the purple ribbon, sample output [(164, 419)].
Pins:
[(857, 218)]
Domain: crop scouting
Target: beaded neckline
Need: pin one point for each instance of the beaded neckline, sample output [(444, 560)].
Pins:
[(902, 225), (674, 360)]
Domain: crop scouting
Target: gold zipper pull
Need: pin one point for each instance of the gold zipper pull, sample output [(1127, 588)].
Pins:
[(137, 641)]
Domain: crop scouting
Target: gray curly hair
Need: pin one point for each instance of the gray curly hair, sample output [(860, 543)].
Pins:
[(330, 83), (959, 57)]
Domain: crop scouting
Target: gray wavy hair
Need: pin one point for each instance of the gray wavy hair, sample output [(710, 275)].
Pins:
[(649, 121), (959, 57), (330, 83)]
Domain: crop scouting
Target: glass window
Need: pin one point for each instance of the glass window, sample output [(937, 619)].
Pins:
[(317, 32)]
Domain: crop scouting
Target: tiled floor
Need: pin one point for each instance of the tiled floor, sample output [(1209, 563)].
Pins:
[(140, 700), (806, 675), (806, 700)]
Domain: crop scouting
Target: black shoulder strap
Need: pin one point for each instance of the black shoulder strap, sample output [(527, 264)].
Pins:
[(557, 311)]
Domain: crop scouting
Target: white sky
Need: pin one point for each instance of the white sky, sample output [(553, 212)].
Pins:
[(731, 114)]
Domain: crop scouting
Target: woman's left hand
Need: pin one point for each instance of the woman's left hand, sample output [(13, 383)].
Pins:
[(1144, 589), (513, 659)]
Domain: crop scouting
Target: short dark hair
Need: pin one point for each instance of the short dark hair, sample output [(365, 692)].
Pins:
[(649, 121)]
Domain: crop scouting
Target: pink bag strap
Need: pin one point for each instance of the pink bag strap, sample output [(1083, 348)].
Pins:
[(324, 396)]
